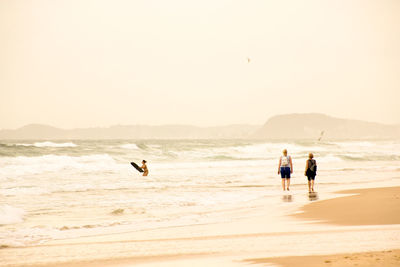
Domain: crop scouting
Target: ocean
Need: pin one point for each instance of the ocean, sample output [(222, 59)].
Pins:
[(63, 189)]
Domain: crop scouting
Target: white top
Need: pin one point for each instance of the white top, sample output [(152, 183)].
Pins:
[(285, 161)]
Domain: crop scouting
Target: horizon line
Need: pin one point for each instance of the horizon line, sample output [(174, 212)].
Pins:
[(197, 126)]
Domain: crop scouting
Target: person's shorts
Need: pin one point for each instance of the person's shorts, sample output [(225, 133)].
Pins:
[(285, 172), (310, 175)]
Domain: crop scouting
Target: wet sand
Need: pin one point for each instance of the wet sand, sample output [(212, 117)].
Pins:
[(233, 243)]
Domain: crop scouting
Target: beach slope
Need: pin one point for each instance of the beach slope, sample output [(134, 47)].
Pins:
[(364, 207)]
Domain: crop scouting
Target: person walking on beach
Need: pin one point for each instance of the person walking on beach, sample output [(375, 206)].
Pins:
[(144, 168), (311, 172), (285, 168)]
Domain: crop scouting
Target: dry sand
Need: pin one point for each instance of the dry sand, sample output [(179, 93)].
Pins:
[(389, 258), (369, 207)]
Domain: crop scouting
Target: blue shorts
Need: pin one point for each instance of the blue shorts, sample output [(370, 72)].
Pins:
[(285, 172)]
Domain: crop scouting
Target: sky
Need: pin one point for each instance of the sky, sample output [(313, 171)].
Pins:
[(81, 63)]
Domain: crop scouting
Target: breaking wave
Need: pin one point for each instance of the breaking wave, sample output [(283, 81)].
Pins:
[(49, 144), (129, 146), (11, 215)]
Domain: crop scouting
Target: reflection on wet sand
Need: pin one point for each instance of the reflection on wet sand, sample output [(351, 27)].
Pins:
[(287, 198), (312, 196)]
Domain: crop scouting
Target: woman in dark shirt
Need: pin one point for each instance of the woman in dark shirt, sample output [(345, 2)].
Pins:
[(311, 171)]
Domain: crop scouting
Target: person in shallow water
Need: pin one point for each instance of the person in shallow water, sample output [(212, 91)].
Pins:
[(144, 167), (285, 168), (311, 171)]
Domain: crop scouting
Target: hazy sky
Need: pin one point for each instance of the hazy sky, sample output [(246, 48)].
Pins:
[(99, 63)]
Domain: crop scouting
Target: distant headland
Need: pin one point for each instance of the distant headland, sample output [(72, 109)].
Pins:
[(312, 126)]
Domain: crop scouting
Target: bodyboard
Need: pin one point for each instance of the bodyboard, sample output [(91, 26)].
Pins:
[(136, 167)]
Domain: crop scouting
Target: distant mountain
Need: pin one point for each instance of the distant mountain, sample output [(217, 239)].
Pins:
[(313, 125), (289, 126), (38, 131)]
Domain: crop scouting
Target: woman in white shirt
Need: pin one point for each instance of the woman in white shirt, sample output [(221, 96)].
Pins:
[(285, 168)]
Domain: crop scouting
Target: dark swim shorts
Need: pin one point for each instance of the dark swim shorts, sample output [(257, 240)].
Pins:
[(311, 175), (285, 172)]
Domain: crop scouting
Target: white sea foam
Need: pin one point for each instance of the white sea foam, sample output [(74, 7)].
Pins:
[(22, 165), (329, 158), (11, 215), (49, 144), (129, 146)]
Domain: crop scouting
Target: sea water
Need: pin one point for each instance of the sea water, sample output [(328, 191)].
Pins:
[(56, 189)]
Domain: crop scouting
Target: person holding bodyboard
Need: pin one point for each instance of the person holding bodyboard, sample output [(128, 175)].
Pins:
[(142, 169)]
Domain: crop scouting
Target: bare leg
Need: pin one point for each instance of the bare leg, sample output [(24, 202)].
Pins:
[(309, 186), (283, 184), (287, 184), (312, 185)]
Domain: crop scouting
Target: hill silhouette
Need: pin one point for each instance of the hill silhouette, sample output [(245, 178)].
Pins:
[(289, 126), (313, 125)]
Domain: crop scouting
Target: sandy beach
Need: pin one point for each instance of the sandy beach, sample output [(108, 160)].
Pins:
[(370, 241), (367, 207), (390, 258)]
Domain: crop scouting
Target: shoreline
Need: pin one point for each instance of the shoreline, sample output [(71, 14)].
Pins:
[(251, 241), (371, 206)]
